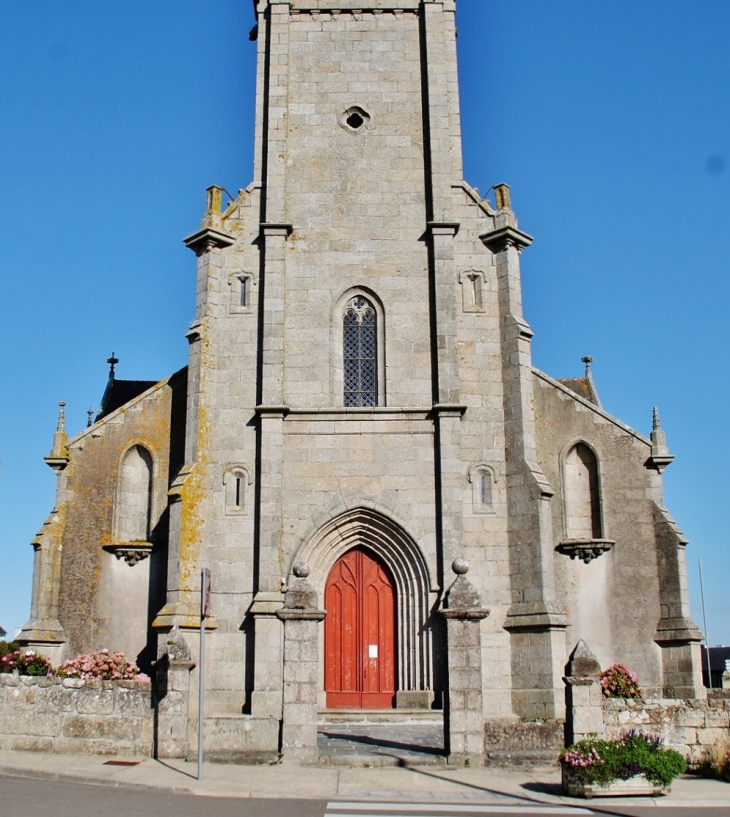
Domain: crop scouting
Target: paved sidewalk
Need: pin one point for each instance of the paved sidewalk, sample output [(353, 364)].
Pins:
[(326, 783)]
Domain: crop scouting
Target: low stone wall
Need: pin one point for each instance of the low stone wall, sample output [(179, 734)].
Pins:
[(522, 743), (68, 715), (693, 727), (696, 727)]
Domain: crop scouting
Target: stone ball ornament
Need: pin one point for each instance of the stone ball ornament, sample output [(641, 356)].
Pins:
[(301, 570), (460, 567)]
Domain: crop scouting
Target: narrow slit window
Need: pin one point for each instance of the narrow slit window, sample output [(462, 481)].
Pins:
[(235, 481), (360, 353), (242, 291), (472, 290), (482, 488), (484, 497)]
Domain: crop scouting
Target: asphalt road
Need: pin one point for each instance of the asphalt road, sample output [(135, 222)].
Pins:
[(41, 798)]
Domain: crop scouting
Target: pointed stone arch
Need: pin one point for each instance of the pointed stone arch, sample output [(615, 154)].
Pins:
[(415, 595), (581, 487), (337, 358), (134, 494)]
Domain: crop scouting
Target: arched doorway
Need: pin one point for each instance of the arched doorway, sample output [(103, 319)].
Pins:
[(360, 633)]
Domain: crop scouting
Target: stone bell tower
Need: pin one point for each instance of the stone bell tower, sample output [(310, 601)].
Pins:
[(358, 344)]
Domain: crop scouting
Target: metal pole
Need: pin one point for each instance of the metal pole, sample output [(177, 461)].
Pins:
[(201, 674), (704, 624)]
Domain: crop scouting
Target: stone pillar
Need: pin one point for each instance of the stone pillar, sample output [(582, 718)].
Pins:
[(266, 698), (536, 619), (44, 632), (676, 633), (172, 697), (584, 694), (442, 131), (188, 490), (301, 618), (463, 705), (444, 283), (272, 123)]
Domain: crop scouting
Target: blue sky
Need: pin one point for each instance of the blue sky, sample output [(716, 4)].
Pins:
[(610, 121)]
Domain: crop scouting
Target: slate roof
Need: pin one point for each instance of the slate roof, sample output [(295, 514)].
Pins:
[(119, 392)]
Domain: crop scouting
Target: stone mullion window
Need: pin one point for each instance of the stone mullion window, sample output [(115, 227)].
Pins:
[(360, 353)]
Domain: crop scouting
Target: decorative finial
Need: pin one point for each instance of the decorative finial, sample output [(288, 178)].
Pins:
[(501, 196), (89, 417), (660, 456), (301, 570), (589, 379), (460, 567), (58, 458), (112, 361), (61, 427)]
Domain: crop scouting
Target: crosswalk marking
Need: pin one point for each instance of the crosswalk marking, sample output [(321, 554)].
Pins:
[(378, 809)]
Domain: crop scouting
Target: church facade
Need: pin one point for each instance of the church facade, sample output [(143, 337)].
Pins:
[(396, 509)]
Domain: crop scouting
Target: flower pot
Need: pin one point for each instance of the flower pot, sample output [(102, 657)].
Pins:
[(636, 786)]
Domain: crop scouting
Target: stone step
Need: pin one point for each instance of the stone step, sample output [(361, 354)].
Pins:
[(521, 758), (374, 760), (376, 716)]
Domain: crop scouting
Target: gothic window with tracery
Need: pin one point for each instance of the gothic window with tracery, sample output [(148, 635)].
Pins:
[(360, 352)]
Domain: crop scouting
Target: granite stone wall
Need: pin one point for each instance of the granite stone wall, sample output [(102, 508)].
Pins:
[(71, 716), (693, 727)]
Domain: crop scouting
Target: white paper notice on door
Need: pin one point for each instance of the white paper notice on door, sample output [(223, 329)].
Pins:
[(372, 650)]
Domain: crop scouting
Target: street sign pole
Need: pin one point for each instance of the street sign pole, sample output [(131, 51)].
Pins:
[(204, 613)]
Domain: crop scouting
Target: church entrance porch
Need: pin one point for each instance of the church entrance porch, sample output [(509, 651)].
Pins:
[(376, 643), (360, 633)]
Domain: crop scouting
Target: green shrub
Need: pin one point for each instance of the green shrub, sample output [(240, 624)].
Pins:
[(600, 761), (8, 646)]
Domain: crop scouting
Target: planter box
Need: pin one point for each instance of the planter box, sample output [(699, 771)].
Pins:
[(637, 786)]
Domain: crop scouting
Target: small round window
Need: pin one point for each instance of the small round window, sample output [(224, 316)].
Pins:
[(354, 119)]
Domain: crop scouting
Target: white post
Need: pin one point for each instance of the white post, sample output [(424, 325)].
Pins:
[(704, 623)]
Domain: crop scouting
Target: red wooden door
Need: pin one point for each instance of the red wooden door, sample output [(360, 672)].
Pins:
[(359, 634)]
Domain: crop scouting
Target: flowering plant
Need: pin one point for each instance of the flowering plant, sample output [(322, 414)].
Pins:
[(618, 681), (25, 662), (600, 761), (102, 664)]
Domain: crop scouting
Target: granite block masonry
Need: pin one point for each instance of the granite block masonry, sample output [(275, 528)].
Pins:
[(360, 399), (73, 716)]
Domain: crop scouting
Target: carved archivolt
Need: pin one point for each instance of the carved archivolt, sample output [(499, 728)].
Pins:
[(370, 529)]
